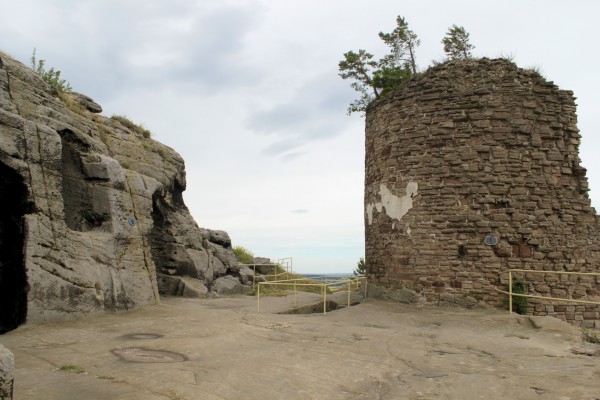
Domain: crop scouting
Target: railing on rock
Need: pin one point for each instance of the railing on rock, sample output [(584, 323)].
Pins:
[(281, 267), (286, 264), (510, 292), (324, 283)]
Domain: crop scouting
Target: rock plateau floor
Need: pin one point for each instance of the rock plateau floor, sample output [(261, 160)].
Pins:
[(224, 349)]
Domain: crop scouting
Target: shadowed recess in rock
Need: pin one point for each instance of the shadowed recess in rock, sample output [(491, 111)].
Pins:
[(86, 204), (13, 280)]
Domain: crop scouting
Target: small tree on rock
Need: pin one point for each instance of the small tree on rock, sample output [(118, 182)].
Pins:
[(360, 66), (456, 43), (403, 43), (375, 78)]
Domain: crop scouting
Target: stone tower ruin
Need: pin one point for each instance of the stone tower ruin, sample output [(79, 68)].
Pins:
[(471, 170)]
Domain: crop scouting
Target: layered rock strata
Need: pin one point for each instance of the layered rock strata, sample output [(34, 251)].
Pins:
[(7, 373), (93, 213), (471, 170)]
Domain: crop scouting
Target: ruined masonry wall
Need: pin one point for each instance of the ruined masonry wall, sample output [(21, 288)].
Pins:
[(475, 149)]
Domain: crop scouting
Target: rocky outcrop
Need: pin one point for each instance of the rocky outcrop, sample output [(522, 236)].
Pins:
[(471, 170), (93, 213), (7, 370)]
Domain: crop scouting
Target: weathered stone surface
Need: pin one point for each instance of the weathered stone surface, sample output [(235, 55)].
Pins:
[(315, 308), (92, 210), (263, 265), (476, 149), (404, 295), (172, 285), (246, 274), (372, 291), (376, 350), (454, 300), (227, 285), (193, 287), (87, 102), (7, 369)]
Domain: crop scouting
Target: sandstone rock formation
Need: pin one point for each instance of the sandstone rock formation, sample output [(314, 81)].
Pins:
[(93, 215), (473, 152), (7, 370)]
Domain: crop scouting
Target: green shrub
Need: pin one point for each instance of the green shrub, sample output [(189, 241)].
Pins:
[(243, 255), (519, 304), (51, 76), (71, 368), (591, 335)]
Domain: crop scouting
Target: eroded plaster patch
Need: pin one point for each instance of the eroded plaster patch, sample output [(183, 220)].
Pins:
[(396, 207)]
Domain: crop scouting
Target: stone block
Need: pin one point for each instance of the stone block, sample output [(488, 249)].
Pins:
[(7, 373), (404, 295), (227, 285)]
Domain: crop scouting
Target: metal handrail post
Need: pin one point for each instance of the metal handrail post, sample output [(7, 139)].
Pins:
[(510, 291), (324, 299), (348, 286), (258, 298)]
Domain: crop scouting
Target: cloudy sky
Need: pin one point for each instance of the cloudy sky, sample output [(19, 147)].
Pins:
[(247, 92)]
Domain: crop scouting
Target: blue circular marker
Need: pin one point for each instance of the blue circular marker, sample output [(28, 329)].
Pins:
[(131, 221), (490, 240)]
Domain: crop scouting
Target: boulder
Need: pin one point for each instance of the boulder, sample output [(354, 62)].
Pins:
[(87, 102), (404, 295), (227, 285), (219, 237), (459, 300), (263, 265), (193, 287), (172, 285), (7, 370), (372, 291), (246, 274)]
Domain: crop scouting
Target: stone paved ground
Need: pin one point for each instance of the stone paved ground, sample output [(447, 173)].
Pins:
[(224, 349)]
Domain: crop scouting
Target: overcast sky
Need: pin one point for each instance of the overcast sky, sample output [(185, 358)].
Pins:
[(248, 93)]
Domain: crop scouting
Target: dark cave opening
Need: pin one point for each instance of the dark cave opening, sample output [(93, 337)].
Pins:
[(13, 278)]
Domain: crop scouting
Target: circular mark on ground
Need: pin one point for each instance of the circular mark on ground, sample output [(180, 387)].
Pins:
[(135, 336), (141, 355)]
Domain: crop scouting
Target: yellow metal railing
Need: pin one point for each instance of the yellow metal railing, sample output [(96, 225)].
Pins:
[(324, 283), (286, 264), (528, 271), (268, 278), (283, 264)]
